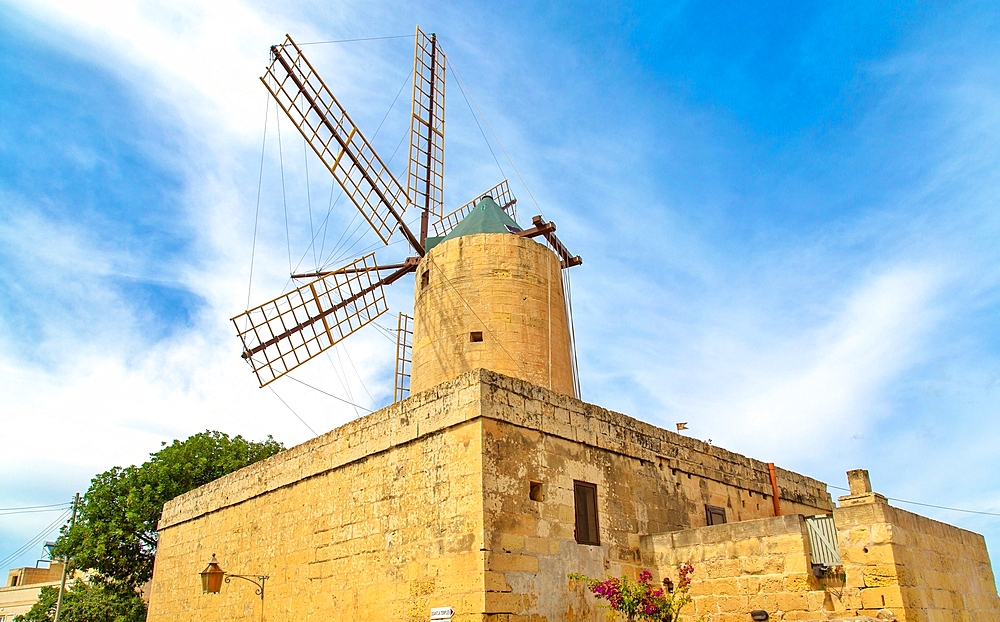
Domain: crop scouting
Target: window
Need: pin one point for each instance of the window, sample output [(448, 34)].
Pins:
[(715, 515), (425, 279), (535, 491), (476, 336), (585, 499)]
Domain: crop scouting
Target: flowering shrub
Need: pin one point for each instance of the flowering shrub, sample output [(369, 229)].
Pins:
[(640, 601)]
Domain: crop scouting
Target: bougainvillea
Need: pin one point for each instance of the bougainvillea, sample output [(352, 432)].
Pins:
[(642, 600)]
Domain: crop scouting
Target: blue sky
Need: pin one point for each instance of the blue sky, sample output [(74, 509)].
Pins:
[(788, 217)]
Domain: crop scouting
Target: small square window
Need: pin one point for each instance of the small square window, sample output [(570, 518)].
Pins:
[(715, 515), (476, 336), (425, 279), (535, 491), (585, 500)]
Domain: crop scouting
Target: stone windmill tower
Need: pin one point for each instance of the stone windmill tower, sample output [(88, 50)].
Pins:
[(487, 294), (489, 297)]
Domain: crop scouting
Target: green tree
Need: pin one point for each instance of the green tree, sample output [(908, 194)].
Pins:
[(115, 532), (85, 602)]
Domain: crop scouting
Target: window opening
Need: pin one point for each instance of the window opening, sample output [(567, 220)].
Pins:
[(585, 498), (715, 515), (535, 491), (425, 279), (476, 336)]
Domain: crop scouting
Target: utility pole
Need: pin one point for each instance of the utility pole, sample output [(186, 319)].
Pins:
[(62, 584)]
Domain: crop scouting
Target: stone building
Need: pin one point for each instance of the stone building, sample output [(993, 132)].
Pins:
[(491, 483), (23, 587)]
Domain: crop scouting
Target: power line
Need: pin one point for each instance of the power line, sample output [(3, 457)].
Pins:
[(35, 507), (38, 539), (927, 505), (11, 513)]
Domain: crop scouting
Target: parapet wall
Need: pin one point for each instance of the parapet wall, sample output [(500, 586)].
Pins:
[(921, 569), (896, 566), (741, 567), (495, 396)]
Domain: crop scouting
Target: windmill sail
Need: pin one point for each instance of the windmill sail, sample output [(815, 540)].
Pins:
[(425, 176), (338, 142), (284, 333), (501, 194), (404, 357)]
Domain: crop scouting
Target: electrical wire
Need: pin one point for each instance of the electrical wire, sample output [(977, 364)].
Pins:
[(927, 505), (12, 513), (38, 539), (35, 507)]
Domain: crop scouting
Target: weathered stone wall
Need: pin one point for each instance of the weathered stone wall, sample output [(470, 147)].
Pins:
[(896, 565), (507, 288), (921, 569), (380, 519), (648, 480), (425, 503), (740, 567)]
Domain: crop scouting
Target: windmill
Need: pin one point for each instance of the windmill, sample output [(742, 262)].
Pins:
[(283, 333)]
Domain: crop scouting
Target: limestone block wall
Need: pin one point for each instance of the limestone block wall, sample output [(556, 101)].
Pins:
[(648, 480), (921, 569), (740, 567), (361, 523), (507, 289), (426, 503)]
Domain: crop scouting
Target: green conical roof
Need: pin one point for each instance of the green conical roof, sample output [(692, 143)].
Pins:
[(485, 217)]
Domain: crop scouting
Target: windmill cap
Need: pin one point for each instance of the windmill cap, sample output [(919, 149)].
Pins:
[(485, 217)]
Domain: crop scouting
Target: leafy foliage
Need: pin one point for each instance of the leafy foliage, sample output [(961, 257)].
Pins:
[(115, 532), (84, 602), (640, 600)]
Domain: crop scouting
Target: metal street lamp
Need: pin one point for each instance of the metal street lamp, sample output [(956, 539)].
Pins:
[(213, 575)]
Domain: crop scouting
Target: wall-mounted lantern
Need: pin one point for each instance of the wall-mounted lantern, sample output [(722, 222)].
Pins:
[(213, 576)]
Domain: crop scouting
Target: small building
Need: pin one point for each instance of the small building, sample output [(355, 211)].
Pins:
[(23, 587)]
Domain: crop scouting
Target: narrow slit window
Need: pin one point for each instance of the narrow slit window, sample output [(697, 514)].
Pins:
[(425, 279), (585, 497), (715, 515), (476, 336), (535, 491)]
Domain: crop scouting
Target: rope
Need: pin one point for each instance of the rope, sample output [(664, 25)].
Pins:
[(256, 214), (487, 122), (309, 203), (327, 394), (292, 411), (481, 131), (927, 505), (568, 291), (284, 202), (353, 40), (476, 315)]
